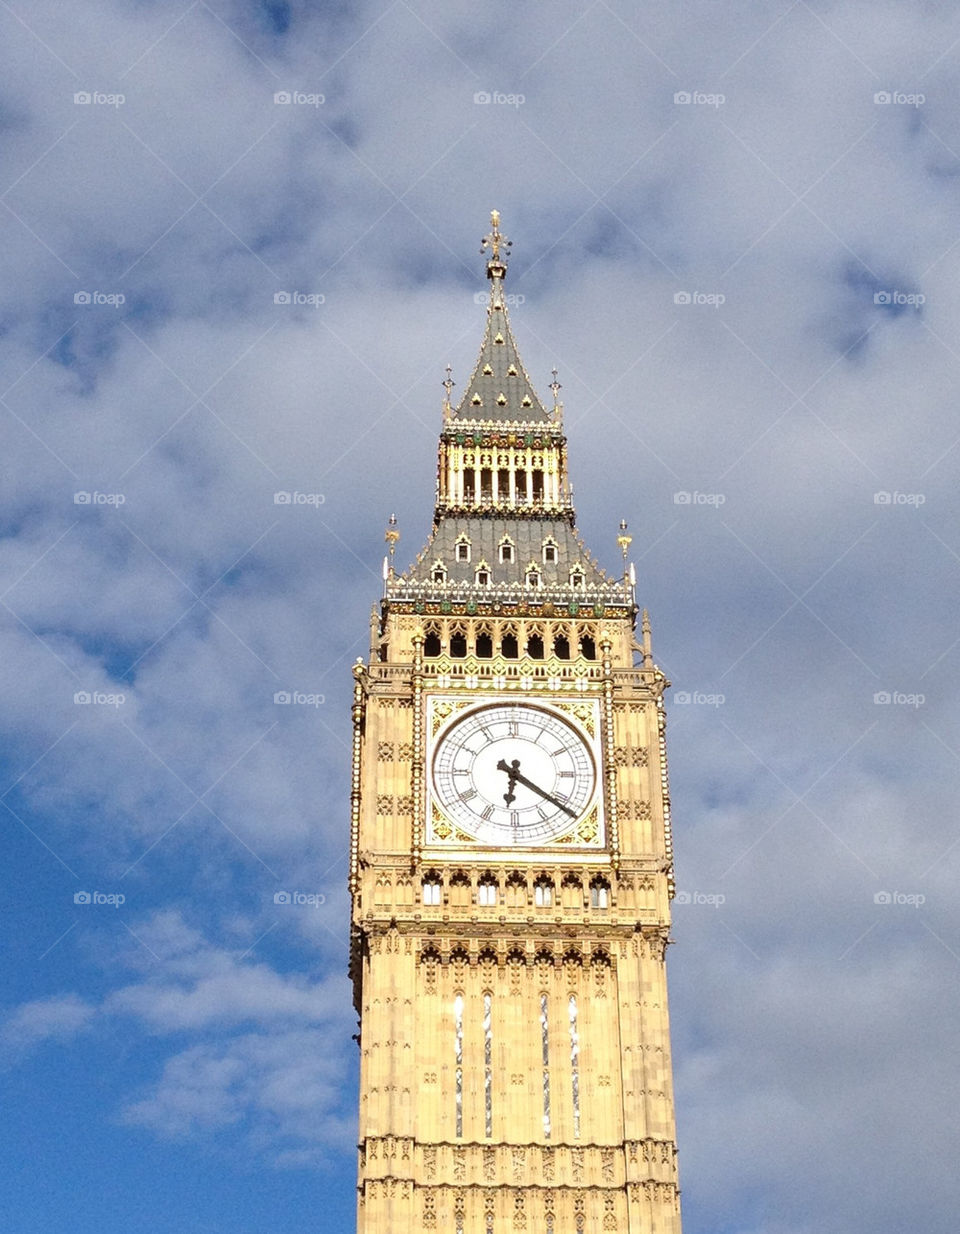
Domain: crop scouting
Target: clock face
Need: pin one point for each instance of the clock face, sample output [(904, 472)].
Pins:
[(513, 773)]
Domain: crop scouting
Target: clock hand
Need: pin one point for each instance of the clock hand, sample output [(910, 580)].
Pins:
[(509, 796), (517, 778)]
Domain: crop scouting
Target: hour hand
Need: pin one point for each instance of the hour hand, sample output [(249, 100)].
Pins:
[(513, 771)]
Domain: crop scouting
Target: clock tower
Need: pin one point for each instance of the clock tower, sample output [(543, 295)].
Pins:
[(511, 864)]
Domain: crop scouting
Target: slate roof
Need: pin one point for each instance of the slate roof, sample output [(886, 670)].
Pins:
[(499, 379), (485, 536)]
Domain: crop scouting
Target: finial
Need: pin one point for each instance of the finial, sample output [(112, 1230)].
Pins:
[(392, 535), (448, 384), (647, 647), (497, 264), (556, 388), (623, 539)]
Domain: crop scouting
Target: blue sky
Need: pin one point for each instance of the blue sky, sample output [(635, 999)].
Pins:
[(737, 235)]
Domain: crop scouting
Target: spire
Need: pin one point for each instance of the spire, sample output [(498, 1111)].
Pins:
[(499, 389)]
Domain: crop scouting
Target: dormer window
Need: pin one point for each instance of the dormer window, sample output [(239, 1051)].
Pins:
[(439, 572), (483, 575), (506, 550), (550, 552), (576, 577), (463, 549), (534, 577)]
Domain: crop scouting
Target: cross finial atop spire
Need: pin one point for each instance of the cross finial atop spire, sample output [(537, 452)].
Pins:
[(497, 263)]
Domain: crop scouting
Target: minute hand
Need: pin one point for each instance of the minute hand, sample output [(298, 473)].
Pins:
[(522, 779)]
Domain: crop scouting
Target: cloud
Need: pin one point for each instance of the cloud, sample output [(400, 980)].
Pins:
[(58, 1018), (798, 399)]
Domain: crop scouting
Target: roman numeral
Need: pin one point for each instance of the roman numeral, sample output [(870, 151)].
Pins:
[(470, 792), (488, 813)]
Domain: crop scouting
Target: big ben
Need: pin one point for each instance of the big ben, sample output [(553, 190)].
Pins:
[(511, 864)]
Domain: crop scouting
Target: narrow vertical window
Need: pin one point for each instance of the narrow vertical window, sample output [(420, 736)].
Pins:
[(545, 1048), (488, 1063), (575, 1065), (458, 1058)]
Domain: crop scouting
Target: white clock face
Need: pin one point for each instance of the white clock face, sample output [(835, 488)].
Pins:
[(513, 773)]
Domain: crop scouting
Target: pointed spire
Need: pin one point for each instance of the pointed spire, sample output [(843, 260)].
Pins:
[(499, 388)]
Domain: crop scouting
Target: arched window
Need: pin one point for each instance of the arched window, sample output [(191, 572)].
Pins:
[(432, 646), (460, 889), (508, 645), (535, 645), (561, 647), (516, 890), (599, 893), (431, 890), (484, 644), (571, 891), (487, 892), (543, 892), (588, 647), (458, 643)]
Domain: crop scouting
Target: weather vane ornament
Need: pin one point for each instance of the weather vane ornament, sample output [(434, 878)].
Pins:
[(497, 264), (392, 534)]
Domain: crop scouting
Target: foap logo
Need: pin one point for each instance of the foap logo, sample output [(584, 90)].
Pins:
[(896, 498), (510, 301), (296, 498), (913, 899), (698, 98), (697, 698), (897, 698), (98, 698), (308, 899), (313, 299), (297, 698), (298, 98), (112, 898), (498, 98), (711, 299), (98, 98), (713, 899), (899, 299), (898, 98), (84, 498), (112, 298), (685, 498)]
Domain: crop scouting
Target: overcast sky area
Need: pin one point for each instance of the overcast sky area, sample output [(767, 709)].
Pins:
[(736, 233)]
